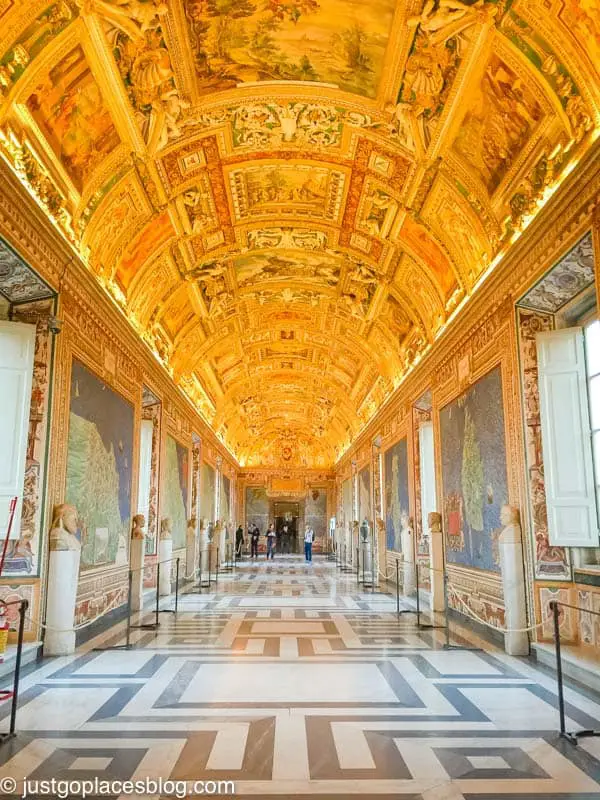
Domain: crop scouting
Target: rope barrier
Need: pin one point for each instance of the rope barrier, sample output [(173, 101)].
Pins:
[(477, 618)]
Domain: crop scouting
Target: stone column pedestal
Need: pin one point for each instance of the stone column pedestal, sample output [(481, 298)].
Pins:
[(191, 550), (516, 641), (203, 545), (63, 577), (436, 560), (408, 558), (165, 553), (137, 574)]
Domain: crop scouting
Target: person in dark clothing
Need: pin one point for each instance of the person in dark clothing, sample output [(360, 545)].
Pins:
[(254, 537), (239, 541), (271, 539)]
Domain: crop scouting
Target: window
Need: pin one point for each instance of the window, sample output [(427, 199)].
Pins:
[(567, 448), (592, 366)]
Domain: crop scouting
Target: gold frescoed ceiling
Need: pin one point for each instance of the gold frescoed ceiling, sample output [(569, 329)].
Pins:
[(290, 198)]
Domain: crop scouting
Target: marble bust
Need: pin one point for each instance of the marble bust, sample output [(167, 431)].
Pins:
[(139, 522), (434, 520), (64, 528), (166, 528), (191, 528), (509, 515)]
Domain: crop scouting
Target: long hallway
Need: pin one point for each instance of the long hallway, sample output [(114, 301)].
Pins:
[(290, 681)]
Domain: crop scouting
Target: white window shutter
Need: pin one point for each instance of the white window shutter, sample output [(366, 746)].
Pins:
[(145, 476), (566, 441), (427, 465), (17, 346)]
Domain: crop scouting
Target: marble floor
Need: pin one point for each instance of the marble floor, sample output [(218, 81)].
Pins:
[(289, 681)]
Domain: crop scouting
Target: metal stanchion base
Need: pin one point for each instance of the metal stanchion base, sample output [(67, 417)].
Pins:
[(6, 737), (112, 647), (574, 736)]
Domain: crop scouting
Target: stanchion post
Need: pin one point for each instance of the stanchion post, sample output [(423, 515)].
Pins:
[(209, 563), (176, 584), (358, 566), (157, 609), (418, 595), (217, 570), (363, 567), (397, 587), (559, 673), (15, 698), (128, 628)]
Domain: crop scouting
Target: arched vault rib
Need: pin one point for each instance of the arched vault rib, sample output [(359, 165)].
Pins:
[(313, 222)]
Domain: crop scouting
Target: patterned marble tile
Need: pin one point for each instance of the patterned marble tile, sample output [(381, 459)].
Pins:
[(291, 681)]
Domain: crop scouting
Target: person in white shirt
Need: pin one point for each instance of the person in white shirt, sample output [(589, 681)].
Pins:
[(309, 537)]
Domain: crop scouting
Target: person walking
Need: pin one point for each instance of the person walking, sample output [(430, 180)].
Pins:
[(309, 537), (239, 541), (271, 538), (254, 537)]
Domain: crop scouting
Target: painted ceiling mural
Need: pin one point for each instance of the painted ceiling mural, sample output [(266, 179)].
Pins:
[(289, 198)]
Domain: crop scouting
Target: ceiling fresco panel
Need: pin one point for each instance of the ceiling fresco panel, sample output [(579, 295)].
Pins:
[(290, 198), (340, 42), (71, 112)]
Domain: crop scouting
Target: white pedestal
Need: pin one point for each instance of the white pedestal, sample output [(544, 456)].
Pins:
[(191, 556), (63, 575), (408, 561), (347, 554), (437, 570), (137, 576), (222, 547), (513, 584), (381, 552), (203, 555), (165, 551)]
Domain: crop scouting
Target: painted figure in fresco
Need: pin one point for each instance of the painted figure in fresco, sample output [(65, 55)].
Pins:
[(64, 528)]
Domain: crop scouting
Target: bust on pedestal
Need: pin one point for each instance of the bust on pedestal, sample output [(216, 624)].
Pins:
[(516, 641), (165, 556), (408, 554), (436, 561), (63, 575), (137, 562)]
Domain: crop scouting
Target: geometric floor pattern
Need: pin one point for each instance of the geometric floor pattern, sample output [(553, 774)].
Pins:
[(290, 681)]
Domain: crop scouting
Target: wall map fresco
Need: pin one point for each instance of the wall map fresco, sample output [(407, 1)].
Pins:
[(474, 473)]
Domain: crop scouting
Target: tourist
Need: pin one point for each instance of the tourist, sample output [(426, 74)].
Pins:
[(309, 537), (271, 537), (239, 541), (254, 537)]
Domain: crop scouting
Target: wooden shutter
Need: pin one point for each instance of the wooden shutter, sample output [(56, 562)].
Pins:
[(566, 440)]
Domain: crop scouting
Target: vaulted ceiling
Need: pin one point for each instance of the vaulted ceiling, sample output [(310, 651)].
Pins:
[(289, 198)]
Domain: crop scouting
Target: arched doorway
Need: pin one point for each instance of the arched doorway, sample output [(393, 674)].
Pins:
[(287, 525)]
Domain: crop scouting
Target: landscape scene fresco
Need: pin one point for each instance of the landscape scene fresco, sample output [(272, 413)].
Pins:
[(396, 493), (176, 489), (257, 507), (364, 495), (315, 511), (474, 473), (330, 41), (207, 492), (70, 111), (99, 459), (225, 499)]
